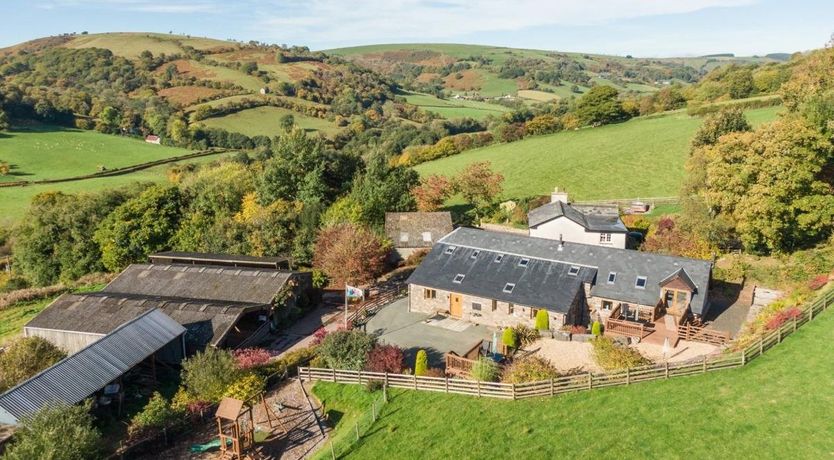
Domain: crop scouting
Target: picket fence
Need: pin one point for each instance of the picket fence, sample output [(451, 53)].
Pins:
[(576, 382)]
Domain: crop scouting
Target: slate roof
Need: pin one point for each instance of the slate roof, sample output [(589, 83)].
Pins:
[(207, 322), (204, 258), (592, 218), (597, 260), (407, 229), (218, 284), (542, 283), (78, 376)]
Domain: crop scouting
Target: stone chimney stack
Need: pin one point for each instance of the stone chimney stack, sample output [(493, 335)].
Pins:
[(558, 195)]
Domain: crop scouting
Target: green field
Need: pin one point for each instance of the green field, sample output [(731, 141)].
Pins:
[(454, 108), (51, 152), (13, 318), (777, 407), (638, 158), (131, 44), (265, 121)]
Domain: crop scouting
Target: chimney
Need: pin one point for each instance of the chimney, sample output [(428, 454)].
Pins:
[(561, 243), (559, 196)]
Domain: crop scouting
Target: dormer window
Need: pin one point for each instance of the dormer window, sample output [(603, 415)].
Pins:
[(403, 237), (640, 283), (573, 270), (475, 254), (499, 258), (523, 262), (450, 250), (508, 288), (459, 278), (612, 277), (427, 237)]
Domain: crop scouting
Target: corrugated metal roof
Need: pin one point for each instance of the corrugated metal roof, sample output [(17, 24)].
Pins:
[(78, 376)]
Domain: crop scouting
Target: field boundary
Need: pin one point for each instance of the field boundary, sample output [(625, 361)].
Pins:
[(577, 382), (117, 171)]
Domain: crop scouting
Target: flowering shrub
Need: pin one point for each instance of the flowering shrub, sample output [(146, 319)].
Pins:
[(385, 358), (782, 317), (319, 335), (247, 358), (818, 282), (246, 388)]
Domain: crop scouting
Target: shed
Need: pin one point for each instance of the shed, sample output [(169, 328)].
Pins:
[(414, 231), (221, 260), (79, 376)]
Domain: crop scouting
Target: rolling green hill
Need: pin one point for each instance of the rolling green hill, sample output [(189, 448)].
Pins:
[(643, 157)]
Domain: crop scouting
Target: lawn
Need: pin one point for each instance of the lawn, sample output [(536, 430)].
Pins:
[(639, 158), (779, 406), (265, 121), (131, 44), (51, 152), (454, 108)]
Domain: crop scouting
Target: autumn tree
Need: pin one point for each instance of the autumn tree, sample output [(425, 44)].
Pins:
[(479, 185), (25, 357), (432, 192), (666, 237), (350, 254), (715, 125)]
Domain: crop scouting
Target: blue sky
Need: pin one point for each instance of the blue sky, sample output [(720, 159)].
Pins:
[(636, 27)]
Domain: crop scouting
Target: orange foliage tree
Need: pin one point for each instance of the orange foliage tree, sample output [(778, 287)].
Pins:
[(350, 253)]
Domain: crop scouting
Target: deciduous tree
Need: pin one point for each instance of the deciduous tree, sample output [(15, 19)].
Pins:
[(432, 192), (350, 253), (479, 185)]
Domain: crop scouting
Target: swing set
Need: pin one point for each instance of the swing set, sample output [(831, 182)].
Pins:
[(236, 426)]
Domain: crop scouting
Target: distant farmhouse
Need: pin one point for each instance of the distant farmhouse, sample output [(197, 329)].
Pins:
[(559, 220), (415, 231), (222, 301), (502, 279), (152, 139)]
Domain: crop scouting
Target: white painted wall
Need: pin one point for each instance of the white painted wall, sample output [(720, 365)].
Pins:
[(572, 232)]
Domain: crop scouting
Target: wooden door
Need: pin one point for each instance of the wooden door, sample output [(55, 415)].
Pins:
[(455, 305)]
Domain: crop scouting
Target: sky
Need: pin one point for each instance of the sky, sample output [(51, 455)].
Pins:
[(644, 28)]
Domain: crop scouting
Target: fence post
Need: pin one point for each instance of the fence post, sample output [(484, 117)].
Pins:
[(373, 411), (794, 323), (666, 365), (386, 379), (478, 384), (360, 377), (385, 392), (811, 313), (590, 380), (513, 387), (447, 384), (356, 425), (332, 452), (334, 374), (743, 356), (415, 381), (551, 386), (779, 335), (705, 364), (628, 376), (761, 345)]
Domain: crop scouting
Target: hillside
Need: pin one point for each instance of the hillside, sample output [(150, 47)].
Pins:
[(643, 157), (531, 75)]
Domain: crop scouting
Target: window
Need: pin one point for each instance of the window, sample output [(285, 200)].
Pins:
[(427, 237), (429, 294), (458, 278), (450, 250), (476, 306), (523, 262), (604, 238), (533, 313), (475, 254), (612, 277), (499, 258), (403, 237), (510, 308), (573, 270), (640, 283), (607, 305), (508, 288), (494, 305)]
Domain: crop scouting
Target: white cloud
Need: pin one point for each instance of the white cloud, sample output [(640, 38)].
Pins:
[(323, 21)]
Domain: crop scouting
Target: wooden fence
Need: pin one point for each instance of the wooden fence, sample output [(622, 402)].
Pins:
[(371, 306), (577, 382)]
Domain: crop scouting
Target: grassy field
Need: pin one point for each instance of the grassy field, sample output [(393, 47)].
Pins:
[(131, 44), (13, 318), (774, 408), (639, 158), (265, 121), (51, 152), (454, 108)]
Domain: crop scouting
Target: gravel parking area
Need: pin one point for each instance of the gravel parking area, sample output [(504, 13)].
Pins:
[(565, 356)]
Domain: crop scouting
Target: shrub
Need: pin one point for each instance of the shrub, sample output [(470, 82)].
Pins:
[(611, 356), (434, 372), (782, 317), (156, 414), (246, 388), (247, 358), (596, 329), (374, 385), (421, 363), (508, 337), (524, 335), (542, 320), (319, 335), (530, 369), (818, 282), (346, 349), (56, 432), (26, 357), (578, 329), (385, 358), (485, 370), (208, 374)]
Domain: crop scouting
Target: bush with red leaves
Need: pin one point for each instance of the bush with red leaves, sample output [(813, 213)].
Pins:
[(319, 336), (783, 317), (385, 358), (248, 358), (818, 282)]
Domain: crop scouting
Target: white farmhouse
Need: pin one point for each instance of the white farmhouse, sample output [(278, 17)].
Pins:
[(598, 225)]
